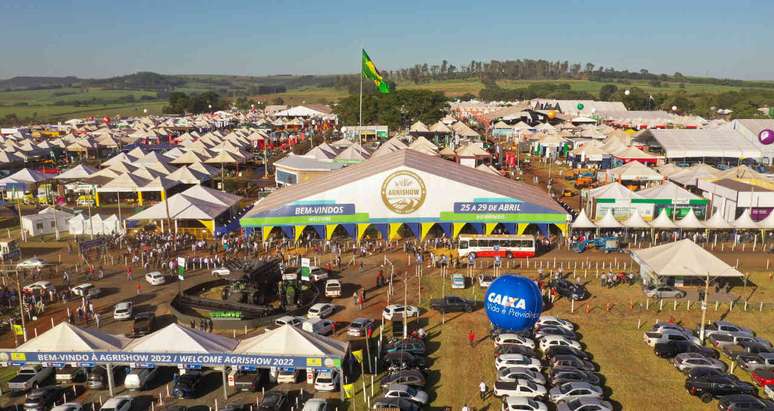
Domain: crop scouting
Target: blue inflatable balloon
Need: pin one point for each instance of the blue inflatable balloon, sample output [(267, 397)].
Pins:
[(513, 303)]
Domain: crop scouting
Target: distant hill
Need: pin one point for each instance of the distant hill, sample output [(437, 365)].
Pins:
[(35, 82)]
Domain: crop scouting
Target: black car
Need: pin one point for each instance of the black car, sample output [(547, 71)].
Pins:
[(739, 402), (273, 401), (713, 386), (703, 372), (42, 398), (403, 404), (561, 375), (672, 348), (144, 323), (452, 304), (568, 289), (410, 345), (403, 360), (515, 349), (555, 350), (412, 377), (187, 385)]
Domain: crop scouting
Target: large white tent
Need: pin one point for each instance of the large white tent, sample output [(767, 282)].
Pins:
[(293, 341), (682, 258), (634, 171), (178, 338), (583, 221), (66, 337)]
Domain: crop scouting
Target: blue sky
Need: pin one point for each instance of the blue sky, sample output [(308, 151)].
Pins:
[(105, 38)]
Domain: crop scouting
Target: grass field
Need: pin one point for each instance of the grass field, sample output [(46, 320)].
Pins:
[(633, 376)]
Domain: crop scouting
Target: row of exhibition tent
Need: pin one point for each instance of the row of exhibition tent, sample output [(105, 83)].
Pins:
[(284, 341), (665, 222), (55, 221)]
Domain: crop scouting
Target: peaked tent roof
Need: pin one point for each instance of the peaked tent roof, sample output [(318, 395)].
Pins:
[(690, 221), (67, 337), (690, 176), (289, 340), (683, 258), (636, 171), (717, 222), (768, 222), (663, 221), (177, 338), (25, 175), (419, 127), (669, 169), (635, 221), (613, 190), (608, 221), (79, 171), (668, 190), (186, 175), (411, 159), (583, 221), (745, 221)]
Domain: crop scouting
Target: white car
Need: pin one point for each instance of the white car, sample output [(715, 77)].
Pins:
[(155, 278), (573, 390), (522, 404), (123, 311), (769, 390), (68, 406), (83, 290), (654, 337), (485, 281), (120, 403), (320, 310), (687, 361), (513, 374), (288, 376), (409, 393), (31, 264), (508, 338), (40, 286), (550, 321), (289, 320), (396, 311), (558, 340), (517, 360), (221, 272), (317, 274), (520, 388), (326, 381), (315, 404)]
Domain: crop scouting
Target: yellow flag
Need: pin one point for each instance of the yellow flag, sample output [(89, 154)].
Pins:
[(349, 390), (358, 355), (17, 328)]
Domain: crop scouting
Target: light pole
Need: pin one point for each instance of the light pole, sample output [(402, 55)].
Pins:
[(704, 309)]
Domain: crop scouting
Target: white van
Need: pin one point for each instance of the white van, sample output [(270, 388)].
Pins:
[(333, 288), (318, 326), (138, 378)]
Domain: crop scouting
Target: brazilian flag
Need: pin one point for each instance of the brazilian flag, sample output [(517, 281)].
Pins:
[(370, 72)]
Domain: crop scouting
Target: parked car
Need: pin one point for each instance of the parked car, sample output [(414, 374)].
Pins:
[(320, 310), (769, 390), (571, 361), (561, 375), (713, 386), (554, 340), (484, 281), (318, 326), (512, 374), (403, 360), (725, 327), (458, 281), (411, 377), (397, 311), (69, 406), (250, 381), (585, 404), (289, 375), (570, 290), (29, 377), (664, 291), (144, 323), (703, 372), (318, 274), (660, 327), (763, 377), (41, 399), (740, 402), (509, 338), (519, 388), (326, 381), (405, 391), (86, 290), (273, 400), (221, 272), (123, 310), (452, 304), (565, 350), (187, 385), (517, 360), (522, 404), (672, 348), (96, 378), (360, 327), (551, 330), (333, 288), (289, 320), (551, 321), (120, 403), (720, 340), (315, 404), (69, 374), (39, 287), (515, 349), (688, 360), (754, 362), (654, 337), (138, 378), (402, 404), (155, 278), (410, 345), (573, 390)]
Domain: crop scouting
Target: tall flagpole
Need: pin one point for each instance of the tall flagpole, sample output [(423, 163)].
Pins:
[(360, 121)]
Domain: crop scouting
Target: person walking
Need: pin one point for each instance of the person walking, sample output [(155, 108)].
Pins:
[(482, 390), (465, 407), (471, 337)]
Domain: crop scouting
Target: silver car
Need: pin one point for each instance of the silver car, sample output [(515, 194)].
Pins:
[(585, 404), (404, 391), (664, 291), (570, 391), (687, 361), (513, 374)]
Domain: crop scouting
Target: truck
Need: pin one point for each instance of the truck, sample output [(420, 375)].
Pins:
[(333, 288), (606, 244), (451, 304), (29, 377)]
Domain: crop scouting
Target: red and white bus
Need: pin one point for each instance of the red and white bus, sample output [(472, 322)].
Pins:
[(503, 245)]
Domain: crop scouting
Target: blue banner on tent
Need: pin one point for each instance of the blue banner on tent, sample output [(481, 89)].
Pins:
[(289, 231), (350, 229), (414, 227), (320, 230), (295, 210)]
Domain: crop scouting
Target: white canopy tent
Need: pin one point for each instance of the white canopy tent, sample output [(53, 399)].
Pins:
[(663, 221), (177, 338), (582, 221), (745, 221), (682, 258), (608, 221), (66, 337), (635, 220), (293, 341), (717, 222), (690, 221)]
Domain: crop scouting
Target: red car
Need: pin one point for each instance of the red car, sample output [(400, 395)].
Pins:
[(763, 377)]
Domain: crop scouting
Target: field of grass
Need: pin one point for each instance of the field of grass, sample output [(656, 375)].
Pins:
[(634, 378), (66, 112)]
